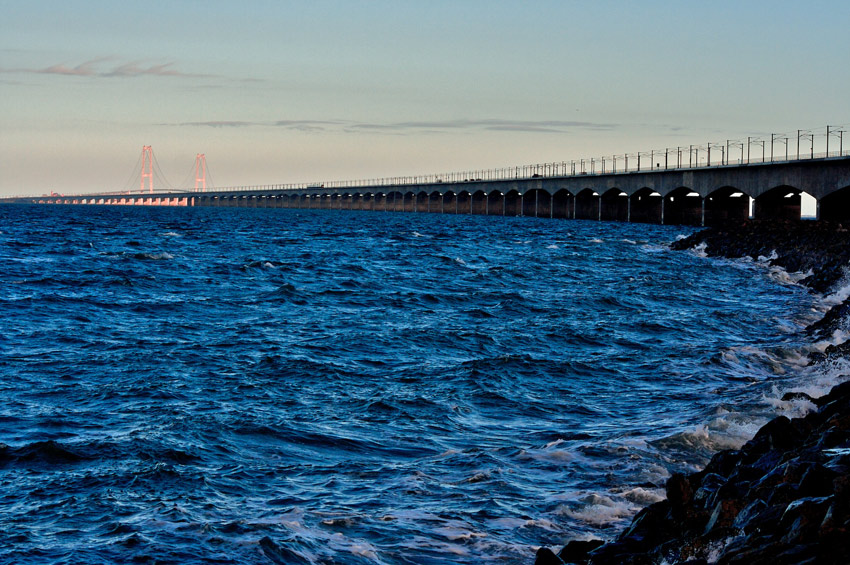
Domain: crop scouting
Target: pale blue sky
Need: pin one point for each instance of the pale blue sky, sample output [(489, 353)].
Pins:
[(276, 92)]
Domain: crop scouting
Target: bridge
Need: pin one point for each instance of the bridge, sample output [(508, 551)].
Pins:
[(679, 189)]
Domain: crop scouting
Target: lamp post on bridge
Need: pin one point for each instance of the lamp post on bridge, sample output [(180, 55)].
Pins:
[(840, 133)]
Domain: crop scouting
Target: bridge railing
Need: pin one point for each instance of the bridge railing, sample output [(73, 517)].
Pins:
[(775, 148), (800, 145)]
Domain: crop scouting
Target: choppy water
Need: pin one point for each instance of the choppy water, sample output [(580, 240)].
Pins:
[(177, 384)]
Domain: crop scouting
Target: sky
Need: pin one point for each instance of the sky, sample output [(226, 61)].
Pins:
[(290, 91)]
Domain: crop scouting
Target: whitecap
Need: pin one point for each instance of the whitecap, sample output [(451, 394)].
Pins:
[(782, 276), (644, 496), (599, 510), (767, 259), (699, 250), (840, 291)]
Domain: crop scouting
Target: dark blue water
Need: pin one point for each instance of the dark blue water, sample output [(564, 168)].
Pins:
[(178, 384)]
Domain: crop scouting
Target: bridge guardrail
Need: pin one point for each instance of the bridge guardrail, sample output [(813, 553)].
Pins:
[(683, 158)]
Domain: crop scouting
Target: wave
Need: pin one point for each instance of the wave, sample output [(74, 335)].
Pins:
[(162, 256), (40, 452)]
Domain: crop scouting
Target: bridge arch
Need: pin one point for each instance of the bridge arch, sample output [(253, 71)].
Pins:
[(463, 203), (408, 201), (779, 203), (495, 203), (725, 204), (449, 202), (615, 206), (835, 206), (646, 206), (537, 203), (513, 203), (434, 204), (683, 206), (587, 203), (420, 201), (395, 201), (478, 204), (563, 205)]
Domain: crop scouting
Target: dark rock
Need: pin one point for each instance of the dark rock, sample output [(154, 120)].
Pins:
[(796, 395), (578, 551), (779, 433), (621, 553), (710, 484), (799, 555), (831, 321), (765, 521), (723, 462), (838, 392), (724, 513), (679, 493), (650, 525), (546, 556), (762, 466), (749, 512), (817, 481), (803, 518)]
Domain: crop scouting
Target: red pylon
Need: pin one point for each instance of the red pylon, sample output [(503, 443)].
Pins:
[(147, 168), (200, 172)]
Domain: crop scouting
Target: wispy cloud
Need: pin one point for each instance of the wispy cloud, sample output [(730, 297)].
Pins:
[(220, 124), (99, 68), (164, 70), (86, 69), (300, 125), (400, 128), (535, 126)]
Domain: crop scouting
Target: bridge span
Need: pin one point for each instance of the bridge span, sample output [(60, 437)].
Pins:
[(693, 195)]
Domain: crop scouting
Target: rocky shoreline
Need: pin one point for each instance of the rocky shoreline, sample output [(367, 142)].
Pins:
[(784, 496)]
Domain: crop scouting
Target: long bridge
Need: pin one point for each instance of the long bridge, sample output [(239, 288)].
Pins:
[(681, 190)]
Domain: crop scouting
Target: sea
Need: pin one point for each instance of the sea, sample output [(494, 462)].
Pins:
[(178, 384)]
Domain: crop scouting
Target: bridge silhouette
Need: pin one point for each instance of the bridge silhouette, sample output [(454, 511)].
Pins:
[(680, 185)]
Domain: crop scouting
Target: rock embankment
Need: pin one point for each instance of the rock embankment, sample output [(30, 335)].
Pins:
[(784, 497)]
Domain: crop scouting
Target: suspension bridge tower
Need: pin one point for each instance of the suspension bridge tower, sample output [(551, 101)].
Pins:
[(147, 168), (200, 172)]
